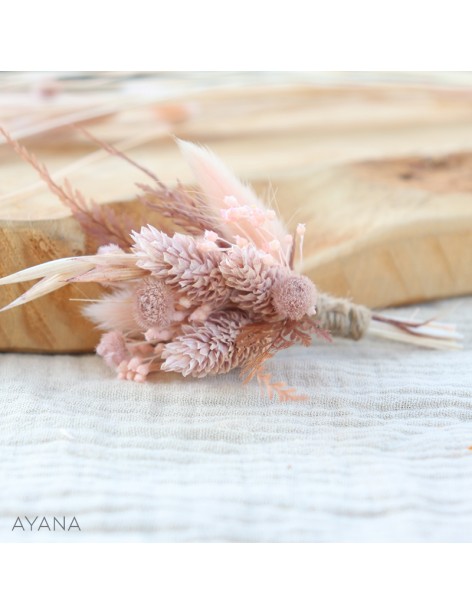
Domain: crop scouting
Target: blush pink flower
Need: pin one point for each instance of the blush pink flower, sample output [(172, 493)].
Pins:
[(223, 296), (206, 349), (250, 276), (294, 296), (112, 348), (153, 304), (184, 263), (135, 369)]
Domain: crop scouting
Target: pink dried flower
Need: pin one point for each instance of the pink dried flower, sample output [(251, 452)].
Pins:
[(186, 210), (153, 304), (142, 349), (218, 183), (245, 270), (150, 246), (156, 335), (294, 297), (203, 304), (206, 349), (135, 369), (112, 348), (183, 264)]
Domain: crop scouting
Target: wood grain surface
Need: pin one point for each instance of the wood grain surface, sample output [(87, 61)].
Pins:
[(381, 175)]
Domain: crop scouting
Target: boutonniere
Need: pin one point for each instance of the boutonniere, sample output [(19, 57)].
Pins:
[(223, 293)]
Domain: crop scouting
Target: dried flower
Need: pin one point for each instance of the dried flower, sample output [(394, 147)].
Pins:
[(182, 263), (245, 271), (135, 369), (218, 183), (203, 303), (294, 296), (206, 349), (153, 303), (112, 348)]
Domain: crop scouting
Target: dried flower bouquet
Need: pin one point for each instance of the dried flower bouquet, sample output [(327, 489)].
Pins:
[(222, 294)]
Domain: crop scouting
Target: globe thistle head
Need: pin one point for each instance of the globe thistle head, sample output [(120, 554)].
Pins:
[(153, 303), (294, 296)]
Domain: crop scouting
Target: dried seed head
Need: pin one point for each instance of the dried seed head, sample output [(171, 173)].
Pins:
[(154, 304), (112, 348), (250, 273), (208, 348), (182, 263), (294, 296)]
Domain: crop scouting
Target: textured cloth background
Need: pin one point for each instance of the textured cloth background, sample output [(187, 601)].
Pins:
[(379, 453)]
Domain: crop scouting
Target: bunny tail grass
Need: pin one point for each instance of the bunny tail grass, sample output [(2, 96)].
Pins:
[(218, 184)]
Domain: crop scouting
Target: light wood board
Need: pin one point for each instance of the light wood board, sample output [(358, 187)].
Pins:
[(382, 176)]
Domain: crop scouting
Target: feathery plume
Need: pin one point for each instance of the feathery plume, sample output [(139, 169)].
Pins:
[(244, 213), (190, 212), (113, 311), (97, 222)]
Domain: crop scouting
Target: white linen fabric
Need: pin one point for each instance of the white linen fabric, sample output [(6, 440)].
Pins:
[(380, 452)]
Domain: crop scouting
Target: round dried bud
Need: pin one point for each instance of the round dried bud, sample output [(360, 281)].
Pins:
[(294, 296), (153, 304), (112, 348)]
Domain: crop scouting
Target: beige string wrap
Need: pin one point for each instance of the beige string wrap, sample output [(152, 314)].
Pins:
[(341, 317)]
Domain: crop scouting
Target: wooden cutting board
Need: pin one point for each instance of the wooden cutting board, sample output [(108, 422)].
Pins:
[(382, 176)]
